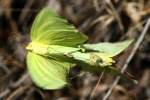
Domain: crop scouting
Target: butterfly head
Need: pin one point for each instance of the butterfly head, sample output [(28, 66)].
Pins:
[(101, 59), (37, 48)]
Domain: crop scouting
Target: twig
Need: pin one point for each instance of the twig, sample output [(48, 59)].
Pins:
[(100, 77), (18, 10), (116, 15), (96, 5), (22, 79), (3, 66), (18, 83), (25, 11), (18, 92), (4, 93), (137, 44)]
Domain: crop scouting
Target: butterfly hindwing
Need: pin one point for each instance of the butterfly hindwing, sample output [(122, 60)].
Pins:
[(47, 73)]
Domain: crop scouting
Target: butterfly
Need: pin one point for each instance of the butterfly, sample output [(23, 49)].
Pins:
[(56, 46)]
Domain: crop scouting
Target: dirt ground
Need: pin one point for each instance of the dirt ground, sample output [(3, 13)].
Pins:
[(101, 21)]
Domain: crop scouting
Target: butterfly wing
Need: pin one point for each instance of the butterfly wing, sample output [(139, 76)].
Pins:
[(47, 73), (49, 28), (111, 49)]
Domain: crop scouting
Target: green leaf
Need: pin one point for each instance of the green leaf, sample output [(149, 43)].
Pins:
[(111, 49), (49, 28), (47, 73)]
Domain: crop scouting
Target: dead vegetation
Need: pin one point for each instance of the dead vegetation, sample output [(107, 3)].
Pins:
[(101, 20)]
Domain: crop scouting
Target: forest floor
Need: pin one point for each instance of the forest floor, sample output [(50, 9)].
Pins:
[(101, 21)]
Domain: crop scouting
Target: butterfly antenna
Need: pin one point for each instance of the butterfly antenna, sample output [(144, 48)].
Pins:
[(97, 84)]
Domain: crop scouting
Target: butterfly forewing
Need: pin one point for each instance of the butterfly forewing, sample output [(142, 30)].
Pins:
[(111, 49), (49, 28)]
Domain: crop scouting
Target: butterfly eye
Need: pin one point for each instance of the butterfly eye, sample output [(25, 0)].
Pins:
[(99, 61)]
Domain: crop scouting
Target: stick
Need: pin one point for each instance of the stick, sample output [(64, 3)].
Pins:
[(137, 44)]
